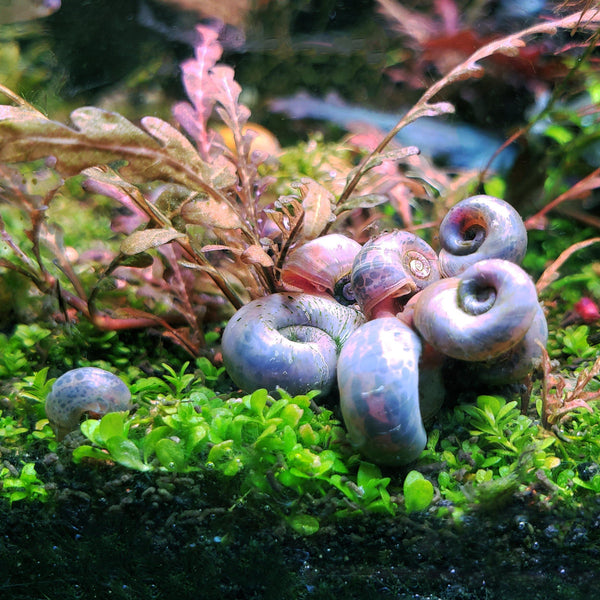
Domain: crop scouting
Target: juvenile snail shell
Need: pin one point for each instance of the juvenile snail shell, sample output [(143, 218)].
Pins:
[(378, 379), (477, 228), (480, 314), (391, 268), (287, 340), (323, 265), (84, 390)]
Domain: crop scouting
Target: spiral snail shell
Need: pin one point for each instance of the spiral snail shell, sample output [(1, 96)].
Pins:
[(477, 228), (84, 390), (378, 379), (391, 268), (480, 314), (515, 365), (321, 266), (287, 340)]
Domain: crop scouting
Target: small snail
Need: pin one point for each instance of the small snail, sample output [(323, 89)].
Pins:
[(389, 269), (477, 228), (480, 314), (287, 340), (85, 390), (322, 266), (378, 379)]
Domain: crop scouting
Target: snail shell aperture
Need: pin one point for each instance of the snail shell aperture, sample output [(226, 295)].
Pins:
[(389, 269), (84, 390), (322, 266)]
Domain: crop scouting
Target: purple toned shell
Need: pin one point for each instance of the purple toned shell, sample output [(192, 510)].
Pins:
[(477, 228), (84, 390), (322, 266), (389, 269), (378, 378), (516, 364), (288, 340), (479, 315)]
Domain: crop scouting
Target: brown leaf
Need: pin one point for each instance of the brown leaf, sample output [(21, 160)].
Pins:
[(255, 255), (100, 137), (211, 213), (318, 205), (366, 201), (140, 241)]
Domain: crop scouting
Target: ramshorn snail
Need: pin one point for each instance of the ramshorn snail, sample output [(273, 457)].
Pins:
[(473, 305)]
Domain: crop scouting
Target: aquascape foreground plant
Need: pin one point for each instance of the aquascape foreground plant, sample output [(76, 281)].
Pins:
[(222, 237)]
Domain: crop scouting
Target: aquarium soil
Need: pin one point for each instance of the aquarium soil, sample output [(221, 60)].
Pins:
[(111, 533)]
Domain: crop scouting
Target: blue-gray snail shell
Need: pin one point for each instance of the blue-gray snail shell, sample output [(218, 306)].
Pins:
[(287, 340), (480, 314), (480, 227), (378, 379), (87, 390)]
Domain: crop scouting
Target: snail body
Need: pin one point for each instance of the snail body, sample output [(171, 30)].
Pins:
[(287, 340), (84, 390), (378, 379), (480, 314), (389, 269), (478, 228), (322, 266)]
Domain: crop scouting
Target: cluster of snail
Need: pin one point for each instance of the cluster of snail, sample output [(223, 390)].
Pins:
[(381, 320)]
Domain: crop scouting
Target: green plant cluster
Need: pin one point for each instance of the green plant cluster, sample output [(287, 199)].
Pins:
[(18, 349), (293, 454), (490, 451), (286, 449)]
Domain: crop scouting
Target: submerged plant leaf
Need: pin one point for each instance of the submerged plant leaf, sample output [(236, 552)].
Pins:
[(418, 492), (211, 213), (317, 202), (101, 137), (304, 524), (255, 255), (140, 241)]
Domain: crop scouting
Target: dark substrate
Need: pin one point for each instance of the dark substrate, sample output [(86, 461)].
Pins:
[(111, 533)]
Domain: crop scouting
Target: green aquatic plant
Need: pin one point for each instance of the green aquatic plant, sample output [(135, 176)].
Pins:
[(286, 449), (574, 341), (22, 485), (19, 348)]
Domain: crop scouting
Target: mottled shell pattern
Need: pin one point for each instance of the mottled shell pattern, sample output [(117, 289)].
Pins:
[(389, 269), (322, 266), (87, 390), (379, 394)]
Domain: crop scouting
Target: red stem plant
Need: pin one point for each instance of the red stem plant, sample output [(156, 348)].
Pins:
[(205, 207)]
